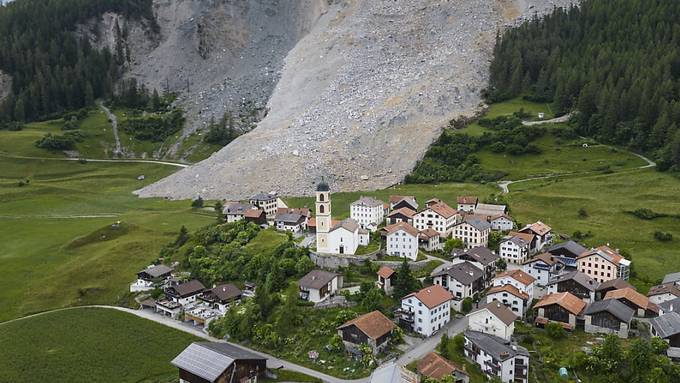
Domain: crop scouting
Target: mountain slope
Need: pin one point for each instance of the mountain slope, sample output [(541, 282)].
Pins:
[(360, 99)]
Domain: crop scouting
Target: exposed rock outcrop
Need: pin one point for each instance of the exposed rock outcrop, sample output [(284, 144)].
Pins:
[(5, 85), (360, 99)]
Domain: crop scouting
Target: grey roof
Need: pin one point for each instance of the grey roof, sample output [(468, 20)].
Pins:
[(263, 197), (489, 209), (316, 279), (157, 270), (225, 292), (579, 277), (393, 373), (188, 288), (570, 246), (481, 254), (368, 201), (500, 310), (614, 307), (209, 360), (323, 186), (236, 208), (614, 284), (516, 240), (666, 325), (477, 223), (289, 218), (348, 224), (464, 272), (672, 277), (670, 306), (499, 348)]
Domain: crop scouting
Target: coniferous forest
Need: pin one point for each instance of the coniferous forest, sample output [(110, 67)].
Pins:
[(52, 69), (616, 62)]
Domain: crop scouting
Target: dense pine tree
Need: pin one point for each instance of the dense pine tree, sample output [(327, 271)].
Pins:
[(52, 69), (617, 62)]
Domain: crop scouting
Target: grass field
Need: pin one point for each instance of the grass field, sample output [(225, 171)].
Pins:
[(509, 107), (44, 260), (89, 345)]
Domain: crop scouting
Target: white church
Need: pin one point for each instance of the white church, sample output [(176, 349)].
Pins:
[(342, 238)]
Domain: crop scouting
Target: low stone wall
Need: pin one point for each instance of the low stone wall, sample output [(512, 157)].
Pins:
[(335, 261)]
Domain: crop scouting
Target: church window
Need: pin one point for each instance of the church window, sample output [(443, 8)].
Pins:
[(321, 207), (321, 197)]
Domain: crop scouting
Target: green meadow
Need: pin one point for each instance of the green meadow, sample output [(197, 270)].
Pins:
[(89, 345)]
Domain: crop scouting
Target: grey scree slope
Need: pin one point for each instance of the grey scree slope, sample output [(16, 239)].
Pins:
[(360, 99)]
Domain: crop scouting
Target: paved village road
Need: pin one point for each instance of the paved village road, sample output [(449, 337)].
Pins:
[(415, 352)]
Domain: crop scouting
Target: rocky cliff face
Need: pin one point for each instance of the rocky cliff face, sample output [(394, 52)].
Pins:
[(360, 97)]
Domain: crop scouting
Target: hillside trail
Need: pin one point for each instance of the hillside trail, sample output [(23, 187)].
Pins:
[(118, 150), (505, 185), (176, 164), (555, 120)]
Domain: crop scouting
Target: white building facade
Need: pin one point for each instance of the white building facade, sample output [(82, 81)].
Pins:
[(368, 212), (402, 241)]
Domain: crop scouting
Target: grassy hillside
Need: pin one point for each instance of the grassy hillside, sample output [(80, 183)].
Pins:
[(50, 256), (89, 345)]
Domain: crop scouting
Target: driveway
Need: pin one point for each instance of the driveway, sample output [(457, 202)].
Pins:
[(428, 345)]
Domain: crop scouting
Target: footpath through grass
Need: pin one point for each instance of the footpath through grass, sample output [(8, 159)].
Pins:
[(89, 345)]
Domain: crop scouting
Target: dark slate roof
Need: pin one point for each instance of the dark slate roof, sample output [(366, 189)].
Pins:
[(289, 218), (579, 277), (672, 277), (481, 255), (188, 288), (614, 307), (477, 223), (323, 186), (209, 360), (672, 305), (157, 270), (614, 284), (316, 279), (464, 272), (499, 348), (666, 325), (226, 292), (570, 246), (237, 208), (263, 197)]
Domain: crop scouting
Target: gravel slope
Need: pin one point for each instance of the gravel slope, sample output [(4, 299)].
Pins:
[(360, 98)]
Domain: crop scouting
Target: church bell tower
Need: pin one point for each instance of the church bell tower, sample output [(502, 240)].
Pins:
[(323, 216)]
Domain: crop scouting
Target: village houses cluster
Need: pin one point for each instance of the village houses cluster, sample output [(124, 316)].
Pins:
[(533, 275)]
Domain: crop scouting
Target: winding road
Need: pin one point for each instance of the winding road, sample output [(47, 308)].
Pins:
[(415, 352)]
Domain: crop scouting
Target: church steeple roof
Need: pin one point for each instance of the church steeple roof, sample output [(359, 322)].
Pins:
[(323, 186)]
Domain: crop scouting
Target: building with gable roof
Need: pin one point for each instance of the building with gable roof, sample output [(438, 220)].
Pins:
[(429, 240), (603, 263), (576, 283), (517, 278), (267, 202), (438, 216), (490, 210), (562, 308), (497, 357), (402, 240), (400, 201), (435, 366), (462, 280), (544, 267), (318, 285), (473, 231), (391, 372), (368, 212), (667, 327), (426, 310), (493, 318), (185, 293), (373, 328), (516, 300), (543, 233), (403, 214), (636, 301), (467, 204), (221, 297), (148, 278), (481, 257), (608, 317), (663, 293), (517, 247), (217, 362), (385, 274)]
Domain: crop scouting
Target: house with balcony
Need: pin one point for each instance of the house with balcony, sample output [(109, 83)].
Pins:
[(462, 280), (437, 216), (368, 212), (427, 310), (318, 285), (517, 247), (149, 278), (221, 297), (497, 357), (481, 257), (544, 267), (403, 214), (603, 264), (518, 279), (185, 293), (543, 233)]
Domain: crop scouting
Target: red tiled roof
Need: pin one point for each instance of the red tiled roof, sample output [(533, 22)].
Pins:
[(443, 209), (632, 296), (468, 200), (510, 289), (405, 211), (519, 276), (407, 227), (374, 324), (435, 366), (385, 271), (431, 296), (567, 300)]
